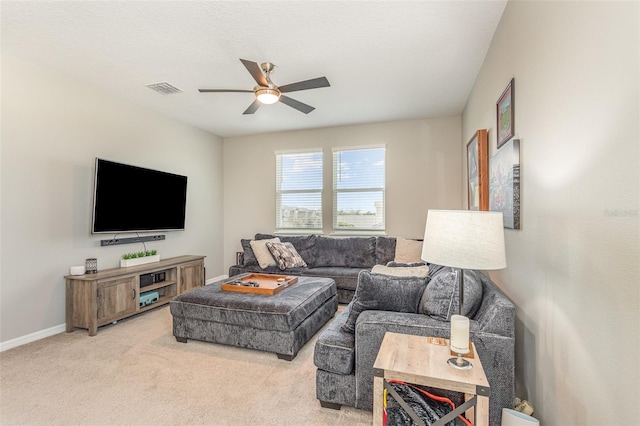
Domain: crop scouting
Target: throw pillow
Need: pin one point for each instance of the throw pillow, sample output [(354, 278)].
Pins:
[(304, 244), (286, 255), (408, 251), (441, 300), (384, 293), (402, 271), (262, 253), (394, 264)]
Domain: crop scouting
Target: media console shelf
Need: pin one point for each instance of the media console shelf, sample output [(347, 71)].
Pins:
[(113, 294)]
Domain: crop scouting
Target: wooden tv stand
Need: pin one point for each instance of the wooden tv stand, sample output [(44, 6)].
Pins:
[(113, 294)]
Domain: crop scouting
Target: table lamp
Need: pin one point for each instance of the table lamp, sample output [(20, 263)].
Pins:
[(463, 239)]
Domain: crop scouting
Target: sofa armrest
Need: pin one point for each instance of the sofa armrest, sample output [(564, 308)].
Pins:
[(497, 313), (371, 327), (498, 318)]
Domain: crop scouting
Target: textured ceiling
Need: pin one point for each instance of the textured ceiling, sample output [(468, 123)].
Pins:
[(385, 60)]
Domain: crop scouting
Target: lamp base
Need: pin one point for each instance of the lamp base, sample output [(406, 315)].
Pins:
[(460, 363)]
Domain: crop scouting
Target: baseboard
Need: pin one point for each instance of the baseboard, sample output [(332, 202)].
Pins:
[(19, 341), (214, 279)]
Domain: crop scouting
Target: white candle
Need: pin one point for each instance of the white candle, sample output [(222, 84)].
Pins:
[(459, 334)]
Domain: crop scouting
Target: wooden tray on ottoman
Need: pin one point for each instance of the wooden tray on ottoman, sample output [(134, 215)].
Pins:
[(268, 284)]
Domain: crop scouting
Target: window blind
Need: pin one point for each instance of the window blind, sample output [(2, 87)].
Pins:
[(299, 190), (359, 189)]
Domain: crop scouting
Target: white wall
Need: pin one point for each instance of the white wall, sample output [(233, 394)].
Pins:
[(52, 130), (573, 268), (422, 172)]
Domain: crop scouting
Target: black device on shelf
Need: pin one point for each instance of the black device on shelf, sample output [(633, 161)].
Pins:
[(152, 278), (134, 199)]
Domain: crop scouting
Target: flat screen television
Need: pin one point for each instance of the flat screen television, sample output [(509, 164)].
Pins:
[(134, 199)]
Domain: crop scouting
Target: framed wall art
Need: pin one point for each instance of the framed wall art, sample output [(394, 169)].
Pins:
[(478, 171), (505, 114), (504, 183)]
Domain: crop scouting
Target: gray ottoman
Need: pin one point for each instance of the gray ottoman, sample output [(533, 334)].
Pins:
[(281, 323)]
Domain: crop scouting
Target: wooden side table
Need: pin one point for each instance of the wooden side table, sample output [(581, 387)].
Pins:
[(413, 359)]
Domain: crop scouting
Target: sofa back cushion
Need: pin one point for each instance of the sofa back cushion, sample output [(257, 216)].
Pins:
[(385, 250), (384, 293), (440, 299), (249, 257), (351, 252)]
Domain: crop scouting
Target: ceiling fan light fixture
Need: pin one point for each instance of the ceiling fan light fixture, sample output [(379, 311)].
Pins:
[(267, 95)]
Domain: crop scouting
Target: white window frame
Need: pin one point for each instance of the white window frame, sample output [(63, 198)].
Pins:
[(337, 191), (280, 192)]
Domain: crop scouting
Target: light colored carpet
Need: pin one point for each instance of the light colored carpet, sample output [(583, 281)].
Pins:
[(135, 373)]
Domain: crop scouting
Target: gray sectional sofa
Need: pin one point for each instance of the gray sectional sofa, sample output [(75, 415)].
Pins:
[(344, 361), (338, 258), (346, 349)]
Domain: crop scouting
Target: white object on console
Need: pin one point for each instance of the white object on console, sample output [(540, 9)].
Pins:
[(76, 270)]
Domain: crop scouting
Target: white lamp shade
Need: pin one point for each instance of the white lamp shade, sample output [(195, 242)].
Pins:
[(464, 239)]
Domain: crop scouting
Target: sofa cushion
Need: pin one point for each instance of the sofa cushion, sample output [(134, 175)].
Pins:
[(440, 300), (262, 253), (385, 250), (335, 350), (286, 255), (352, 252), (421, 271), (408, 251), (304, 244), (384, 293), (346, 278)]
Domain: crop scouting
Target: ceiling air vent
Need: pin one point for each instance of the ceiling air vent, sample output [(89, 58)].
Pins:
[(163, 88)]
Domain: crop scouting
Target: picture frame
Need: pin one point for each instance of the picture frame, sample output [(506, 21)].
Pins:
[(505, 114), (478, 171), (504, 183)]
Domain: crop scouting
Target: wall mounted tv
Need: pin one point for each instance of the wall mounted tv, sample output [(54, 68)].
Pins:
[(134, 199)]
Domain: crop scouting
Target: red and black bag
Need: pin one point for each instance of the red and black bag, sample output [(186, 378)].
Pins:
[(425, 405)]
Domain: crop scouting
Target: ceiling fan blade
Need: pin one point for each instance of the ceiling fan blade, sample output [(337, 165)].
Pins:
[(224, 91), (314, 83), (252, 108), (296, 104), (254, 70)]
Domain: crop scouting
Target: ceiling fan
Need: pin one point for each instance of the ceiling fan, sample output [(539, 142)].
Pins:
[(268, 93)]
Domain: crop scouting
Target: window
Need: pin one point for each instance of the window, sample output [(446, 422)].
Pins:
[(299, 190), (358, 189)]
